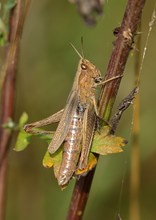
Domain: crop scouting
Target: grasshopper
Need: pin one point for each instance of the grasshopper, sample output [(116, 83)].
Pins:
[(77, 121)]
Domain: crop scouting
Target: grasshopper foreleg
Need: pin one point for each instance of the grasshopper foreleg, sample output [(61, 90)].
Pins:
[(97, 112), (108, 80)]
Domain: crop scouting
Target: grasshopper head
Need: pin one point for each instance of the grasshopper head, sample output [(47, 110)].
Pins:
[(85, 66), (90, 69)]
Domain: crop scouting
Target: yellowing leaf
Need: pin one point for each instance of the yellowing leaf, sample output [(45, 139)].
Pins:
[(104, 143), (104, 131), (54, 160), (92, 161), (48, 160)]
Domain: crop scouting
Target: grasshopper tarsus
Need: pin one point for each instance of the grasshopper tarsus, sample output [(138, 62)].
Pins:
[(31, 130), (109, 80), (28, 128)]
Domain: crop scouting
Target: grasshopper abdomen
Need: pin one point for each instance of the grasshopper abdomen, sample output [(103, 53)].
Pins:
[(72, 148)]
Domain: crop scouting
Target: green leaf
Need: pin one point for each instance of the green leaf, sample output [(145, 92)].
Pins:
[(104, 143), (23, 140), (10, 4), (23, 119), (3, 33), (4, 21)]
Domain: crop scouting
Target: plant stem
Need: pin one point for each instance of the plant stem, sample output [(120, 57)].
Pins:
[(80, 196), (116, 66), (135, 157), (8, 92)]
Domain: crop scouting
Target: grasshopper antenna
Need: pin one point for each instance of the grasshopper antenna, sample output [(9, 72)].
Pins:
[(82, 47), (81, 56)]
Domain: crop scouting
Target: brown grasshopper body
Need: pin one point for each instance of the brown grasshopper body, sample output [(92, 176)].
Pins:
[(76, 122), (76, 135)]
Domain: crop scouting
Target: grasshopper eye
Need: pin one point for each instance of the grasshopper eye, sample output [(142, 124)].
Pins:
[(83, 66)]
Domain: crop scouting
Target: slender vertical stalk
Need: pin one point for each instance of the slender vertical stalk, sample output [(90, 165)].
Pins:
[(135, 159), (8, 92), (116, 66)]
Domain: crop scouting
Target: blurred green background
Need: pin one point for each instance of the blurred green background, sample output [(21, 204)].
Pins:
[(46, 70)]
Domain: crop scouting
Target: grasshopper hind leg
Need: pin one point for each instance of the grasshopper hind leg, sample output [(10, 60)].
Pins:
[(32, 128)]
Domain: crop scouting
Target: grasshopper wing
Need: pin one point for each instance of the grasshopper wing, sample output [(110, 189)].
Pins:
[(88, 131), (63, 126)]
